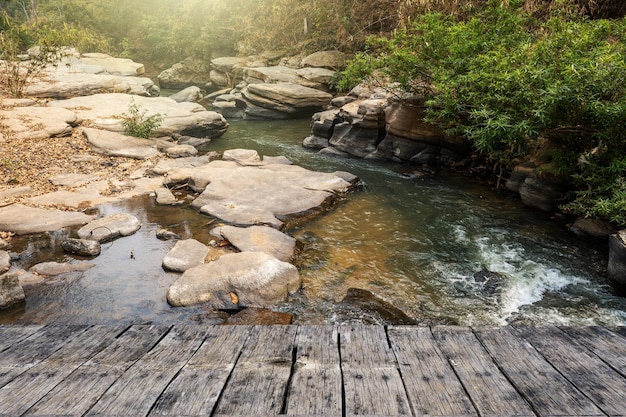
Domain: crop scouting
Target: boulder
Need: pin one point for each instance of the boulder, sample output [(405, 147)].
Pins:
[(181, 151), (278, 74), (334, 60), (184, 255), (229, 64), (72, 179), (165, 197), (5, 261), (617, 259), (245, 279), (321, 76), (55, 268), (106, 111), (519, 175), (116, 66), (362, 307), (11, 292), (592, 227), (288, 94), (110, 227), (115, 144), (265, 194), (542, 192), (258, 239), (23, 220), (189, 72), (81, 247), (190, 94)]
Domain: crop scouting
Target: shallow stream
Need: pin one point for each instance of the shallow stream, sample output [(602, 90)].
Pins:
[(413, 239)]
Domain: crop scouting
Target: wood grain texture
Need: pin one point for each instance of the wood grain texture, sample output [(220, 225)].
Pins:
[(431, 384), (24, 391), (258, 383), (193, 371), (488, 388), (603, 385), (196, 389), (372, 381), (316, 381)]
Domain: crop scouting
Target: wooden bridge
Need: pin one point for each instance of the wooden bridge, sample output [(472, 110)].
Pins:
[(145, 370)]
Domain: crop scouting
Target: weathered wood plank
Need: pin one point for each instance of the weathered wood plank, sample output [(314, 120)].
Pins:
[(431, 385), (603, 385), (136, 391), (77, 393), (196, 389), (609, 346), (490, 391), (372, 381), (548, 392), (263, 367), (10, 335), (20, 394), (316, 382), (28, 352)]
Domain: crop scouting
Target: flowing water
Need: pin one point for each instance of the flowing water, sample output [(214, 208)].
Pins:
[(414, 239)]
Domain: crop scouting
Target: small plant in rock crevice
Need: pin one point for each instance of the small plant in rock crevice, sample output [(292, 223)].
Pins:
[(136, 123)]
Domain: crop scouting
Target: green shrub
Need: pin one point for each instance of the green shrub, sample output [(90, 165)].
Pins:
[(504, 80), (137, 124)]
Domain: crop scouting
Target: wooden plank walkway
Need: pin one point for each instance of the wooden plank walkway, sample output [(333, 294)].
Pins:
[(144, 370)]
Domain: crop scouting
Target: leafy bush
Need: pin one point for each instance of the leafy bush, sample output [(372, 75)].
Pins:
[(137, 124), (507, 82)]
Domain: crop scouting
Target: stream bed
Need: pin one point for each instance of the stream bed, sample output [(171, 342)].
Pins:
[(413, 239)]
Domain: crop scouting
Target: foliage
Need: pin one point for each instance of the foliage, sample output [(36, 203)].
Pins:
[(505, 80), (136, 123)]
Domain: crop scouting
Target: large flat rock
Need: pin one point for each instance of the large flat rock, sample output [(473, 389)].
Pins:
[(35, 122), (115, 144), (24, 220), (106, 111), (265, 194), (115, 66)]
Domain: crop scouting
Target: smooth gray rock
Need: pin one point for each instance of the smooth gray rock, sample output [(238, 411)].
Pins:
[(11, 292), (115, 66), (258, 239), (105, 111), (34, 122), (24, 220), (245, 279), (277, 74), (181, 151), (165, 197), (5, 261), (191, 94), (110, 227), (318, 75), (617, 259), (115, 144), (289, 94), (540, 192), (81, 247), (265, 194), (55, 268), (184, 255), (183, 74)]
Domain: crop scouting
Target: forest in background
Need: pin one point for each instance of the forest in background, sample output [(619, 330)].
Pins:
[(538, 80)]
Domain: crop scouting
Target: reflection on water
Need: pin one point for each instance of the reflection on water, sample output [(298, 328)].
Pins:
[(415, 241)]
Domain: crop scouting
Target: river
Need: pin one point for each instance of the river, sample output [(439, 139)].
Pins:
[(413, 238)]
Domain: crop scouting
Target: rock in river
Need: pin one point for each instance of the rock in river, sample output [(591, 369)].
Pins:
[(110, 227), (11, 292), (23, 220), (258, 239), (263, 194), (185, 255), (245, 279)]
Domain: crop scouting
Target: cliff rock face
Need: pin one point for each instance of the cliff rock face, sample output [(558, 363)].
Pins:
[(376, 125)]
